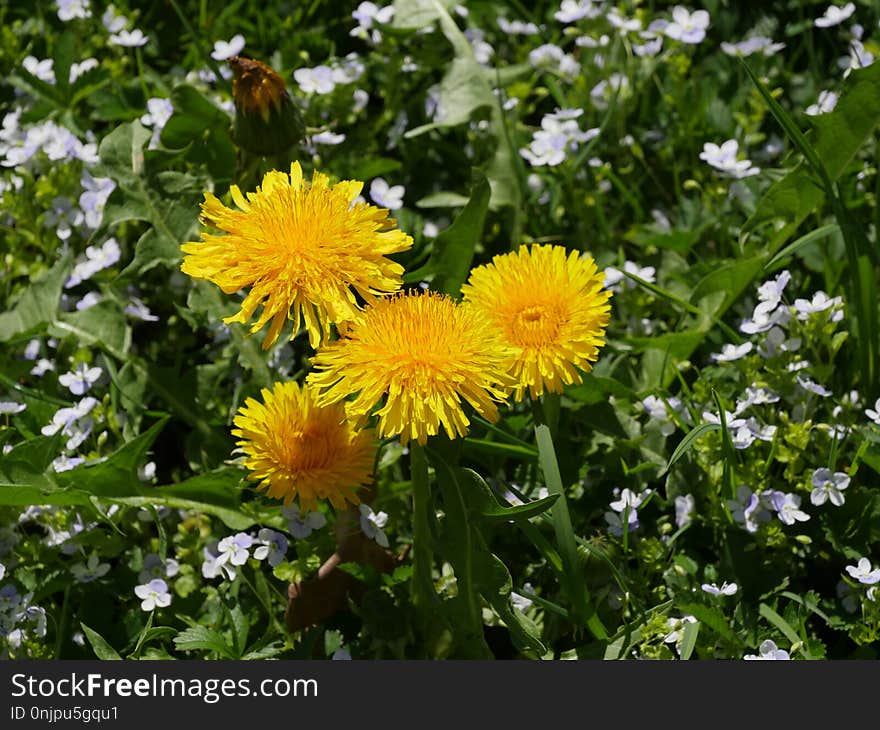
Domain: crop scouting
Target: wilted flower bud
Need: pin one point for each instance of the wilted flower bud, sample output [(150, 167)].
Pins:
[(266, 120)]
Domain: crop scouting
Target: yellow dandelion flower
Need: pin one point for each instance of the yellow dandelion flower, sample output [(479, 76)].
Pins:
[(306, 250), (550, 308), (418, 358), (299, 450)]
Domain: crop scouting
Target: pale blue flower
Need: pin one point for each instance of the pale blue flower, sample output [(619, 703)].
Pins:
[(273, 546), (153, 594), (768, 651), (301, 525), (227, 49), (828, 487), (372, 524)]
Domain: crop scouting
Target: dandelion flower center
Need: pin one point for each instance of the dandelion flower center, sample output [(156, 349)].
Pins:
[(296, 449), (306, 250), (549, 307), (414, 360)]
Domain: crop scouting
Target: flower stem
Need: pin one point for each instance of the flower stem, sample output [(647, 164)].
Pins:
[(423, 594), (575, 581)]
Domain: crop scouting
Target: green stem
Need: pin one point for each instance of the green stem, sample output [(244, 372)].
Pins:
[(423, 594), (575, 581)]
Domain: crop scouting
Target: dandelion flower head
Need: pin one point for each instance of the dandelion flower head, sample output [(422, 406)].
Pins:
[(550, 308), (306, 250), (299, 450), (418, 358)]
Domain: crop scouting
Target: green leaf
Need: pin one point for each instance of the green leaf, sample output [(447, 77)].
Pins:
[(785, 627), (837, 136), (454, 248), (99, 644), (165, 199), (711, 617), (201, 637), (464, 91), (38, 304), (65, 50), (688, 639), (687, 442), (795, 246), (103, 325), (522, 511), (117, 474)]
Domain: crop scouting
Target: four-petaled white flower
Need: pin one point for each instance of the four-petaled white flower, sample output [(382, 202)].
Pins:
[(787, 508), (234, 549), (769, 652), (372, 524), (153, 594), (874, 413), (80, 380), (726, 589), (864, 573), (684, 509), (677, 626), (273, 546), (835, 15), (826, 103), (301, 525), (729, 353), (228, 49), (129, 38), (828, 487), (570, 11), (723, 158), (387, 196), (89, 571), (8, 407), (687, 27), (317, 80)]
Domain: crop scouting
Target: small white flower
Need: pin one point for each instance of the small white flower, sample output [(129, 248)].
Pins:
[(228, 49), (91, 570), (628, 498), (570, 11), (318, 80), (826, 103), (726, 589), (112, 21), (153, 594), (372, 524), (299, 525), (828, 487), (864, 573), (80, 380), (755, 44), (11, 407), (768, 652), (341, 655), (874, 413), (273, 546), (835, 15), (787, 508), (129, 38), (684, 510), (70, 9), (729, 353), (234, 549), (812, 386), (723, 158), (687, 27), (386, 196)]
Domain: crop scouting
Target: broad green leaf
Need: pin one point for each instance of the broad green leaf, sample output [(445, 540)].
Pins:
[(103, 325), (454, 248), (38, 304), (167, 200), (795, 246), (786, 628), (100, 645), (116, 476), (443, 199), (464, 91)]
